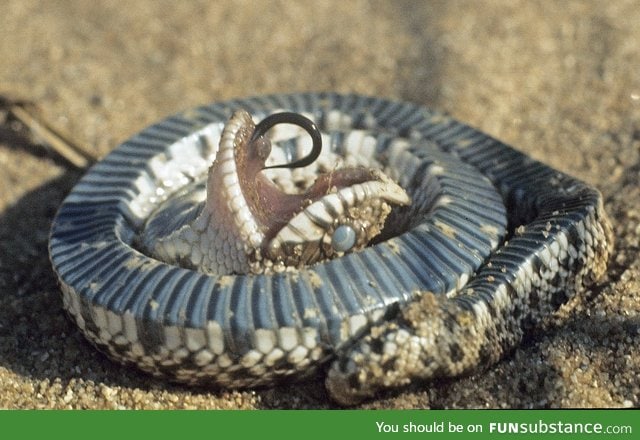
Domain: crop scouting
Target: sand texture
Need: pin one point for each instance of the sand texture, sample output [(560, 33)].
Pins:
[(558, 80)]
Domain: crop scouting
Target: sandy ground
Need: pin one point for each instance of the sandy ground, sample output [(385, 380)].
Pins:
[(559, 80)]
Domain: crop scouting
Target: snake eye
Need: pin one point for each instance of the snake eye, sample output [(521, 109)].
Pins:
[(343, 239)]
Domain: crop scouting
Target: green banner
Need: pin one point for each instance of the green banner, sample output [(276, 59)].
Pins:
[(178, 425)]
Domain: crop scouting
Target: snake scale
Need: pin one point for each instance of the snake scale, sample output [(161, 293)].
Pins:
[(485, 244)]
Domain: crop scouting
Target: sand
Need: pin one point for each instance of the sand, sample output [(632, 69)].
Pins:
[(558, 80)]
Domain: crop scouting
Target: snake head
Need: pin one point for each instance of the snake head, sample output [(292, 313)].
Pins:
[(341, 212), (345, 218)]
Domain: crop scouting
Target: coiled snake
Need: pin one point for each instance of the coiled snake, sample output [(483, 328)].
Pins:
[(235, 277)]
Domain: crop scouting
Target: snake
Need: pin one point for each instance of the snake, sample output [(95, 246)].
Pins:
[(368, 241)]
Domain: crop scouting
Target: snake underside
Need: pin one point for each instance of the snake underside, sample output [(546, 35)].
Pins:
[(490, 246)]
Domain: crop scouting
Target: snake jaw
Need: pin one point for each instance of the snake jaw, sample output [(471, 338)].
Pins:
[(250, 225), (341, 212)]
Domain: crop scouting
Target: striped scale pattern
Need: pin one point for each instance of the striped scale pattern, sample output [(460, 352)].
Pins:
[(248, 330)]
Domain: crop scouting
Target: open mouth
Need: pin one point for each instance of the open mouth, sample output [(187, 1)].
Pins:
[(248, 224)]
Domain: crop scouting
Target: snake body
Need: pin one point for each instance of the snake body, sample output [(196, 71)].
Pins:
[(491, 245)]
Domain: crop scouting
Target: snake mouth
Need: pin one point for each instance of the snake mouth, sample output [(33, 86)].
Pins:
[(271, 206), (341, 211), (248, 223)]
